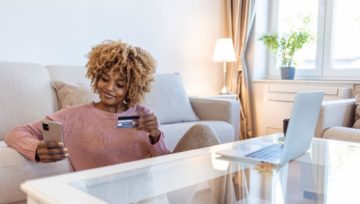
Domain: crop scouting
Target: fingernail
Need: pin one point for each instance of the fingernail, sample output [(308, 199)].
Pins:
[(65, 149), (67, 155), (60, 143)]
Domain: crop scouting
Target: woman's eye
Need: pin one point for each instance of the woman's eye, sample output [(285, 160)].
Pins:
[(104, 79), (120, 85)]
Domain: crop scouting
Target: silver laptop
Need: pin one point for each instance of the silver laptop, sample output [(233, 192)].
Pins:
[(301, 129)]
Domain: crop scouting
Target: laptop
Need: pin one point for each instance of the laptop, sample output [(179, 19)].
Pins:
[(301, 129)]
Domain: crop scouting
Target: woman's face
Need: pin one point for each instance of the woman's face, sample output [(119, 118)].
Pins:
[(112, 91)]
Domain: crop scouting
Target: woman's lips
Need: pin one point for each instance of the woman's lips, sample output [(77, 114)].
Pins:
[(108, 95)]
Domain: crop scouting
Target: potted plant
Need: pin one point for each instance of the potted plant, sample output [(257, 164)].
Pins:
[(286, 46)]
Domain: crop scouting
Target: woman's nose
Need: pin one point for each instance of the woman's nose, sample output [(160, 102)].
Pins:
[(110, 86)]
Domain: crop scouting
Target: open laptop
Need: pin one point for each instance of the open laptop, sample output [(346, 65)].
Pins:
[(301, 128)]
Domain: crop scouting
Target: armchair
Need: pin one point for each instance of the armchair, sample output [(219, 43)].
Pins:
[(336, 120), (223, 110)]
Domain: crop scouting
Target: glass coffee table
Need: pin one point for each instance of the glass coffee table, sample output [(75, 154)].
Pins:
[(327, 173)]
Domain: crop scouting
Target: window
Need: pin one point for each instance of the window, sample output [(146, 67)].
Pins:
[(335, 25)]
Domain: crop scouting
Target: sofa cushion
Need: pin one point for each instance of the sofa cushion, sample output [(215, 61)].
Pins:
[(15, 169), (72, 94), (169, 100), (356, 91), (26, 94), (342, 133), (174, 132)]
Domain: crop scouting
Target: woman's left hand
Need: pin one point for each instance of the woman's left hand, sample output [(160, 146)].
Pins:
[(149, 123)]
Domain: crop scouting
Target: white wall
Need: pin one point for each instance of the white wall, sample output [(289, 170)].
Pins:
[(180, 34)]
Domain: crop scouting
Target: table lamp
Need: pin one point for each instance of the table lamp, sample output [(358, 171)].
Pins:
[(224, 52)]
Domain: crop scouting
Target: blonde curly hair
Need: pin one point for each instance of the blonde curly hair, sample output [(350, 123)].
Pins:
[(134, 65)]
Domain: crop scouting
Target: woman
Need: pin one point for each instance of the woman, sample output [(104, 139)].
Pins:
[(121, 74)]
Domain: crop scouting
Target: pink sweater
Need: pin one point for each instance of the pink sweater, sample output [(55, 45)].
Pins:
[(91, 136)]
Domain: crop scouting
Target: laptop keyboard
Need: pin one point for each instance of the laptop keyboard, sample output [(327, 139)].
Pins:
[(270, 153)]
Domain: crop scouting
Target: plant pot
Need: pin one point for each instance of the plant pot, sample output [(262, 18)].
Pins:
[(287, 73)]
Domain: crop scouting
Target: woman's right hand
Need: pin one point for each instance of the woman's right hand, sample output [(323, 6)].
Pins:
[(51, 151)]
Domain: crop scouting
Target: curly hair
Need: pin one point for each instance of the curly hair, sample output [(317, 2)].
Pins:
[(134, 65)]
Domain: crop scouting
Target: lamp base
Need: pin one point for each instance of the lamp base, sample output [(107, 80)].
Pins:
[(224, 91)]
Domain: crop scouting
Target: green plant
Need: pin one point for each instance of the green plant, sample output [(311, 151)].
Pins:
[(286, 46)]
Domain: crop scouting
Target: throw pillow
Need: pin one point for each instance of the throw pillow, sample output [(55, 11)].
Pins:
[(169, 100), (73, 94), (356, 91)]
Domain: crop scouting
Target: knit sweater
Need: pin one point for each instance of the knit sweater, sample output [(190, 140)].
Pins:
[(91, 136)]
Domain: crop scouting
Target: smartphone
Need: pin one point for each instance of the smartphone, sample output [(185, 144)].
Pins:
[(52, 131)]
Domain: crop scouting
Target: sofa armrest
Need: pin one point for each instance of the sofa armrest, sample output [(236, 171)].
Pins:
[(16, 169), (339, 113), (218, 109)]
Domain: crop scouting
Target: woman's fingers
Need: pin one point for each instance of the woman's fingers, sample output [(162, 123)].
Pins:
[(147, 121), (56, 158), (51, 151), (148, 124), (148, 127), (52, 158), (54, 144), (56, 151)]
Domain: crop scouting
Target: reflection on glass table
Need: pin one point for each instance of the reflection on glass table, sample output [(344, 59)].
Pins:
[(325, 174)]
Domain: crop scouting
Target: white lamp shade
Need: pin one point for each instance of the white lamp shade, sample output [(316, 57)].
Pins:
[(224, 50)]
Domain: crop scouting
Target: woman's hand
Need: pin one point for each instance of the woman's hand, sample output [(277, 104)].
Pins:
[(51, 151), (149, 123)]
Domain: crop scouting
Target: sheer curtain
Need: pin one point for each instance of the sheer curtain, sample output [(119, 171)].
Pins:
[(240, 18)]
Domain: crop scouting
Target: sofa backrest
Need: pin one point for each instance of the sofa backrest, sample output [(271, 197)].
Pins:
[(68, 73), (26, 94)]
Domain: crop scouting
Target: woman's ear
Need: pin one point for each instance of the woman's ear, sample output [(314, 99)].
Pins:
[(126, 100)]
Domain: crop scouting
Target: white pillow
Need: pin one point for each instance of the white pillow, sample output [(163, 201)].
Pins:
[(73, 94), (169, 100)]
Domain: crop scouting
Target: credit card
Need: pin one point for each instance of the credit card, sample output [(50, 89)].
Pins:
[(127, 121)]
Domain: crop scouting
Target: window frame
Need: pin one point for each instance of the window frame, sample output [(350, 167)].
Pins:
[(324, 46)]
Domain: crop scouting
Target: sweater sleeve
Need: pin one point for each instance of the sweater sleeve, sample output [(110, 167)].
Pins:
[(160, 146), (25, 138)]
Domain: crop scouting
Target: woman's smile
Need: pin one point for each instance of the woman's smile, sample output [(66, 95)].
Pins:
[(108, 95)]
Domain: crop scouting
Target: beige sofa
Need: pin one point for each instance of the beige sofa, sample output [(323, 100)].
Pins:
[(27, 94), (336, 120)]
